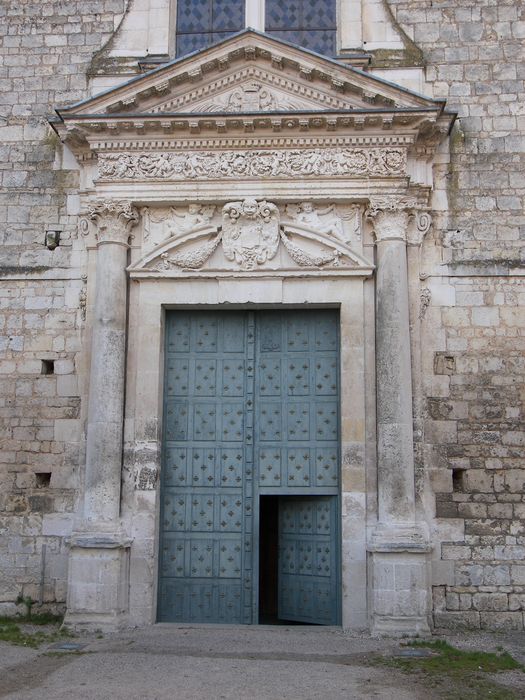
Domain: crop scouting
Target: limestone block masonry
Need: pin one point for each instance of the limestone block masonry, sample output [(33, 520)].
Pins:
[(415, 233)]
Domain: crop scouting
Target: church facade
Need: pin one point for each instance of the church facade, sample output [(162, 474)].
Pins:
[(263, 313)]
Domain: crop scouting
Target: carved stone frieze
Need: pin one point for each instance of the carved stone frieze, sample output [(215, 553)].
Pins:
[(341, 221), (159, 223), (250, 232), (192, 216), (114, 220), (331, 162)]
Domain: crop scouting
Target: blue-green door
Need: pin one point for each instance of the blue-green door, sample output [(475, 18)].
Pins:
[(307, 578), (251, 408)]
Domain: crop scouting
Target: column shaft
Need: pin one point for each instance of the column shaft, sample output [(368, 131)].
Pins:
[(399, 545), (106, 389), (394, 386)]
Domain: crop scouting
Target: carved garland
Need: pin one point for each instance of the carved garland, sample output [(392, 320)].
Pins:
[(304, 259), (260, 164), (191, 260), (250, 236)]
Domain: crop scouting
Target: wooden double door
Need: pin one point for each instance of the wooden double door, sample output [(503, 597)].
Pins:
[(249, 523)]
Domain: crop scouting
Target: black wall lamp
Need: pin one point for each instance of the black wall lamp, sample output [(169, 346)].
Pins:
[(52, 239)]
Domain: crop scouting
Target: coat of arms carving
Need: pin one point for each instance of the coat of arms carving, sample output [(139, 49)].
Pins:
[(250, 232)]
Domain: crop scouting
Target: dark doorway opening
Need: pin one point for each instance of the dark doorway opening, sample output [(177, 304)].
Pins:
[(268, 559)]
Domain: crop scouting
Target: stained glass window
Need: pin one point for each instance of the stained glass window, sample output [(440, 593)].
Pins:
[(307, 23), (203, 22)]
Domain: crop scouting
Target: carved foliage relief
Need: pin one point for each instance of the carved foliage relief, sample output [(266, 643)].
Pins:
[(260, 163)]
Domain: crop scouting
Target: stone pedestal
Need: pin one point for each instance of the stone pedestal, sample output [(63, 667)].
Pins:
[(98, 582), (398, 550), (399, 581), (98, 578)]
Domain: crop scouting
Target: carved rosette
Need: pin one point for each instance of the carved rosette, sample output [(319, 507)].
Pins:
[(114, 220)]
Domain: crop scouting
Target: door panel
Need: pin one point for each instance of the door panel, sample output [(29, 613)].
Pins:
[(307, 567), (205, 570), (297, 400), (251, 407)]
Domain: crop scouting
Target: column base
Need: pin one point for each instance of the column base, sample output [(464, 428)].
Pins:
[(98, 582), (400, 583)]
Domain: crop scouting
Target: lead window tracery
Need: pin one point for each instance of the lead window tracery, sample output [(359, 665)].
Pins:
[(311, 24)]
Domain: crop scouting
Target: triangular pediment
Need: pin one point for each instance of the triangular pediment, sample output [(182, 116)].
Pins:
[(247, 73)]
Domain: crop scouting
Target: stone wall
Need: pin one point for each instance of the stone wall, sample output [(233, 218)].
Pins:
[(473, 438), (46, 48)]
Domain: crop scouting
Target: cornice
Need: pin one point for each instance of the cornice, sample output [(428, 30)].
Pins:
[(419, 126), (243, 141)]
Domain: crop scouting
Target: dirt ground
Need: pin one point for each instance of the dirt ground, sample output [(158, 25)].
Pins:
[(225, 662)]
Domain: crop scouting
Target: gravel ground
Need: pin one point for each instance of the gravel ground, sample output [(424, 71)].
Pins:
[(225, 662)]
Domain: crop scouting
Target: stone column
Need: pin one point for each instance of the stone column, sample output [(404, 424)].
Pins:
[(99, 557), (399, 544)]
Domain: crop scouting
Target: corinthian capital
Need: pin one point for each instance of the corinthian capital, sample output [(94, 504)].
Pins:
[(398, 218), (114, 220)]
